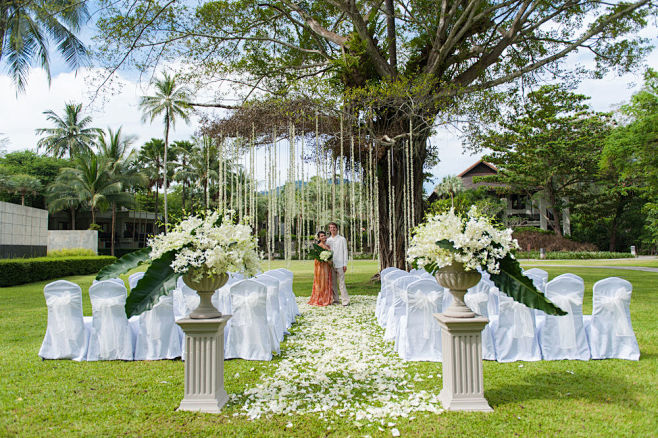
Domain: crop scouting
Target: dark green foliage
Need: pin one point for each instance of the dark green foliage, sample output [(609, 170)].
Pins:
[(19, 271), (124, 264), (29, 163), (159, 278)]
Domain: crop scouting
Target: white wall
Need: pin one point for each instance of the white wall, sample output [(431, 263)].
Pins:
[(66, 239)]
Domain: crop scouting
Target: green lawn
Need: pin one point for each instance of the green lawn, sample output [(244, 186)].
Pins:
[(567, 398), (646, 262)]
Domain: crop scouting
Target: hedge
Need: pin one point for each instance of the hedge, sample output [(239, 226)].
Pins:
[(19, 271), (574, 255)]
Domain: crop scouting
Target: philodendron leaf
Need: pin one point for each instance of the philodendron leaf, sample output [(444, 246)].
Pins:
[(124, 264), (512, 282), (157, 279), (446, 244)]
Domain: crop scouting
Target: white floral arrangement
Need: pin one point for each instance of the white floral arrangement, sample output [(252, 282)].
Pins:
[(476, 242), (325, 256), (213, 243), (472, 240)]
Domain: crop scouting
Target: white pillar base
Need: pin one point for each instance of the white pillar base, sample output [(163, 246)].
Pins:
[(463, 388), (204, 364)]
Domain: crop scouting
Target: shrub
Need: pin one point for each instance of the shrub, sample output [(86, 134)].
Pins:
[(72, 252), (574, 255), (19, 271)]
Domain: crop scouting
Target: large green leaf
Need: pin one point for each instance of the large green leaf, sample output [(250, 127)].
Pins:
[(512, 282), (157, 280), (124, 264)]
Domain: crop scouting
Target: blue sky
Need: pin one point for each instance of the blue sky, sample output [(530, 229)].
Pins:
[(21, 115)]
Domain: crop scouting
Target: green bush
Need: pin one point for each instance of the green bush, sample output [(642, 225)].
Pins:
[(574, 255), (19, 271), (72, 252)]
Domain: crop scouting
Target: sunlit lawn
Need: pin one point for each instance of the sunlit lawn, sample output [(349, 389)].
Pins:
[(568, 398)]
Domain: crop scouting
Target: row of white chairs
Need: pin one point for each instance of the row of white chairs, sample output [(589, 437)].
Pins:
[(109, 335), (516, 332)]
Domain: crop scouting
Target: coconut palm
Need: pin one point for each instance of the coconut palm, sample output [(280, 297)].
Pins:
[(151, 158), (71, 135), (171, 102), (184, 149), (24, 185), (450, 185), (26, 27)]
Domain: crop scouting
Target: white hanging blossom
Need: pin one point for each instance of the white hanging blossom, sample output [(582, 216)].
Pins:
[(214, 243), (476, 242)]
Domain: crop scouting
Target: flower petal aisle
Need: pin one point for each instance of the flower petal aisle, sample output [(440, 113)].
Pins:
[(335, 363)]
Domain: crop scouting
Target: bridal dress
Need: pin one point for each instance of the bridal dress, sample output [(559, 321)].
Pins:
[(322, 295)]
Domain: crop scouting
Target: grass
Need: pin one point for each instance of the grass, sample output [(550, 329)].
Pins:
[(645, 262), (568, 398)]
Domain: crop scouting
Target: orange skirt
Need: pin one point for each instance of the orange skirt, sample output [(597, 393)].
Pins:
[(322, 294)]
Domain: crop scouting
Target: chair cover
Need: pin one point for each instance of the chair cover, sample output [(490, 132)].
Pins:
[(398, 306), (477, 299), (66, 336), (380, 295), (420, 333), (539, 278), (113, 280), (283, 306), (288, 288), (514, 332), (158, 336), (286, 295), (249, 337), (387, 294), (221, 299), (111, 337), (610, 331), (185, 299), (563, 337), (134, 278), (274, 320)]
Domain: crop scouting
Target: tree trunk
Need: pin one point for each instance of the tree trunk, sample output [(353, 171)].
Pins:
[(614, 224), (22, 199), (157, 193), (557, 212), (114, 219), (93, 215), (397, 172), (166, 216), (72, 218)]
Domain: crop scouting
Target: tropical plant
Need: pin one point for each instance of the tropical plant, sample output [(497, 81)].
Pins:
[(26, 27), (171, 102), (23, 185), (151, 157), (184, 149), (72, 133), (450, 185)]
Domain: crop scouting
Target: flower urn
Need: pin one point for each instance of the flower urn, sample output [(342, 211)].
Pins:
[(458, 280), (205, 286)]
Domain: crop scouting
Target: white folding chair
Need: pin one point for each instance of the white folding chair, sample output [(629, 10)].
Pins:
[(539, 279), (283, 306), (250, 336), (287, 285), (66, 335), (609, 330), (477, 299), (514, 332), (274, 320), (563, 337), (113, 280), (111, 337), (387, 294), (158, 336), (398, 306), (420, 333), (133, 279)]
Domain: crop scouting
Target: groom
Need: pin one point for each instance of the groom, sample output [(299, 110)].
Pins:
[(338, 245)]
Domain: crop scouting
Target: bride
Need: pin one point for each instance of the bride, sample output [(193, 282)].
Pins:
[(322, 295)]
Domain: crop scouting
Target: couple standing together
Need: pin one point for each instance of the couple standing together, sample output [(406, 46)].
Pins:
[(329, 277)]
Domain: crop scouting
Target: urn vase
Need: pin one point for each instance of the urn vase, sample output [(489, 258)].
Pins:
[(205, 286), (458, 280)]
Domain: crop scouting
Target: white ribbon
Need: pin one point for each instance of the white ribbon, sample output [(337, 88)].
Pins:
[(427, 304), (156, 325), (105, 323), (244, 308), (477, 302), (566, 324), (523, 326), (616, 304), (58, 306)]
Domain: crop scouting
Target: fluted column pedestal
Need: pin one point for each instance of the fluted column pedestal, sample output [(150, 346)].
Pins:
[(204, 364), (463, 386)]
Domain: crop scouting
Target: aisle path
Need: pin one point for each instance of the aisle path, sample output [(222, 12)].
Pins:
[(335, 362)]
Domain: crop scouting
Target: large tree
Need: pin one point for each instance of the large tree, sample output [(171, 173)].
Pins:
[(401, 66), (71, 134)]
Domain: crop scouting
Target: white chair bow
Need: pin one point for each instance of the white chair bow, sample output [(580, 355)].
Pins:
[(62, 323), (244, 308), (426, 303), (102, 310), (566, 323), (616, 304)]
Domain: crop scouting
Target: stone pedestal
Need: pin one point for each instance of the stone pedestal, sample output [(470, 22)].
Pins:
[(461, 341), (204, 364)]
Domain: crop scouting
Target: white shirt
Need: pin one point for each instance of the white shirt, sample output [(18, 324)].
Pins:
[(338, 245)]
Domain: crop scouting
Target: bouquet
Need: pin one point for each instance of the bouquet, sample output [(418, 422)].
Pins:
[(473, 240), (213, 245), (320, 254)]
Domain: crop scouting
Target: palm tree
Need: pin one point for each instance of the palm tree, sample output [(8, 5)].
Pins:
[(151, 156), (23, 185), (450, 185), (71, 135), (26, 28), (171, 102), (184, 149)]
